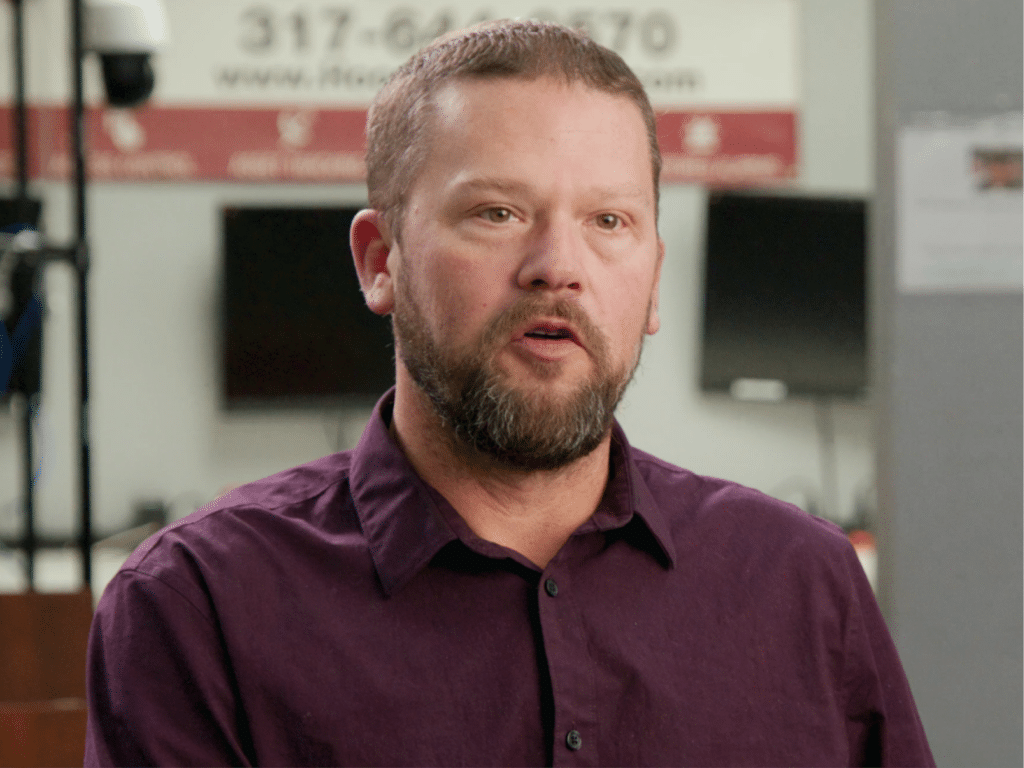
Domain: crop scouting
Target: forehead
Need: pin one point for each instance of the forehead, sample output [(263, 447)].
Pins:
[(536, 128)]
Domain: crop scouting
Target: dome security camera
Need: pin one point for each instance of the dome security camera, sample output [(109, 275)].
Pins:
[(125, 33)]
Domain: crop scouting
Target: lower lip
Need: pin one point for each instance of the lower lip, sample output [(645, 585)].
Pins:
[(547, 349)]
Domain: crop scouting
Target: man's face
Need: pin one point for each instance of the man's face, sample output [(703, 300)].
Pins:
[(528, 266)]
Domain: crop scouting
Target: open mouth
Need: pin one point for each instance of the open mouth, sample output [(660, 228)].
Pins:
[(550, 334), (551, 331)]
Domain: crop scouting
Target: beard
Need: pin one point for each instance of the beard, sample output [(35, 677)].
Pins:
[(482, 411)]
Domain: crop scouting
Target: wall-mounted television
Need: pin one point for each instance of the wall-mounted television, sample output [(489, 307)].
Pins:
[(296, 331), (784, 296)]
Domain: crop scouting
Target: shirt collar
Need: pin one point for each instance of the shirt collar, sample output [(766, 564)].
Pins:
[(628, 496), (405, 528)]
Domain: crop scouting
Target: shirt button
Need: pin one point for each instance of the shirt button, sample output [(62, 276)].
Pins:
[(573, 740), (552, 589)]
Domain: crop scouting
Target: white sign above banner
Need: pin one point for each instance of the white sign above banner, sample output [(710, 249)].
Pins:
[(722, 53), (258, 90)]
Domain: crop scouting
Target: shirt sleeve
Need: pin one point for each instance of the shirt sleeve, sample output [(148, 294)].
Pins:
[(159, 685), (883, 725)]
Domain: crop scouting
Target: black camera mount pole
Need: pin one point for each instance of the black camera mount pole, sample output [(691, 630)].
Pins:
[(80, 250), (20, 119), (21, 143), (78, 255)]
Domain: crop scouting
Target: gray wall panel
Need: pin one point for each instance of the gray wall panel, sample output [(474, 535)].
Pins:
[(957, 532), (949, 372), (959, 55)]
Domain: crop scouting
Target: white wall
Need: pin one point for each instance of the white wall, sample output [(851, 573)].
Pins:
[(157, 427)]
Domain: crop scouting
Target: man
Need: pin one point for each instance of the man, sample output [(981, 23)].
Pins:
[(494, 575)]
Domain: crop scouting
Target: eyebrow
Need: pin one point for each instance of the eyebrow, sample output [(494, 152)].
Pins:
[(489, 183), (509, 186)]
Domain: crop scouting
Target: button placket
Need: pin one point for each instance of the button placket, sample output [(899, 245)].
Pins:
[(569, 665)]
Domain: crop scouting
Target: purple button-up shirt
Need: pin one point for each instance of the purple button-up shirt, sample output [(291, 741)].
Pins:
[(342, 613)]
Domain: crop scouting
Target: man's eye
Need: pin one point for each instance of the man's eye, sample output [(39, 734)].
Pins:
[(497, 215), (608, 221)]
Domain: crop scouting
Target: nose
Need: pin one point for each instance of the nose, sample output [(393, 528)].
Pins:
[(554, 259)]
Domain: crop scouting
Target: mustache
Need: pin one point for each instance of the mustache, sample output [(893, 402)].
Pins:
[(535, 307)]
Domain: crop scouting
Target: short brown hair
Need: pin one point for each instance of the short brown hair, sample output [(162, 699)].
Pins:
[(399, 120)]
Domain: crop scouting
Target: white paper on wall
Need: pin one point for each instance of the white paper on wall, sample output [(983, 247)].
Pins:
[(959, 216)]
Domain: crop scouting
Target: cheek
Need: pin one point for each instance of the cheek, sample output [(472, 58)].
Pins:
[(465, 295), (629, 297)]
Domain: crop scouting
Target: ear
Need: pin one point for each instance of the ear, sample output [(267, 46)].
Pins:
[(653, 320), (371, 245)]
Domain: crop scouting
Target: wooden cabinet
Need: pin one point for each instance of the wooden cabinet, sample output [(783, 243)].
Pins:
[(43, 640)]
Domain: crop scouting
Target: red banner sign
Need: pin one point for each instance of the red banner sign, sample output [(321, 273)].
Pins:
[(290, 143)]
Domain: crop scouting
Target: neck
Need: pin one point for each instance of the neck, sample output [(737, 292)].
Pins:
[(531, 512)]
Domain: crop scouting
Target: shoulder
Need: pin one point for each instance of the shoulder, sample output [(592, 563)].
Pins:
[(725, 519), (694, 496), (271, 519), (761, 560), (289, 488)]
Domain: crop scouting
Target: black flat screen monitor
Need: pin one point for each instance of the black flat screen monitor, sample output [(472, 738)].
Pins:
[(784, 296), (296, 330)]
